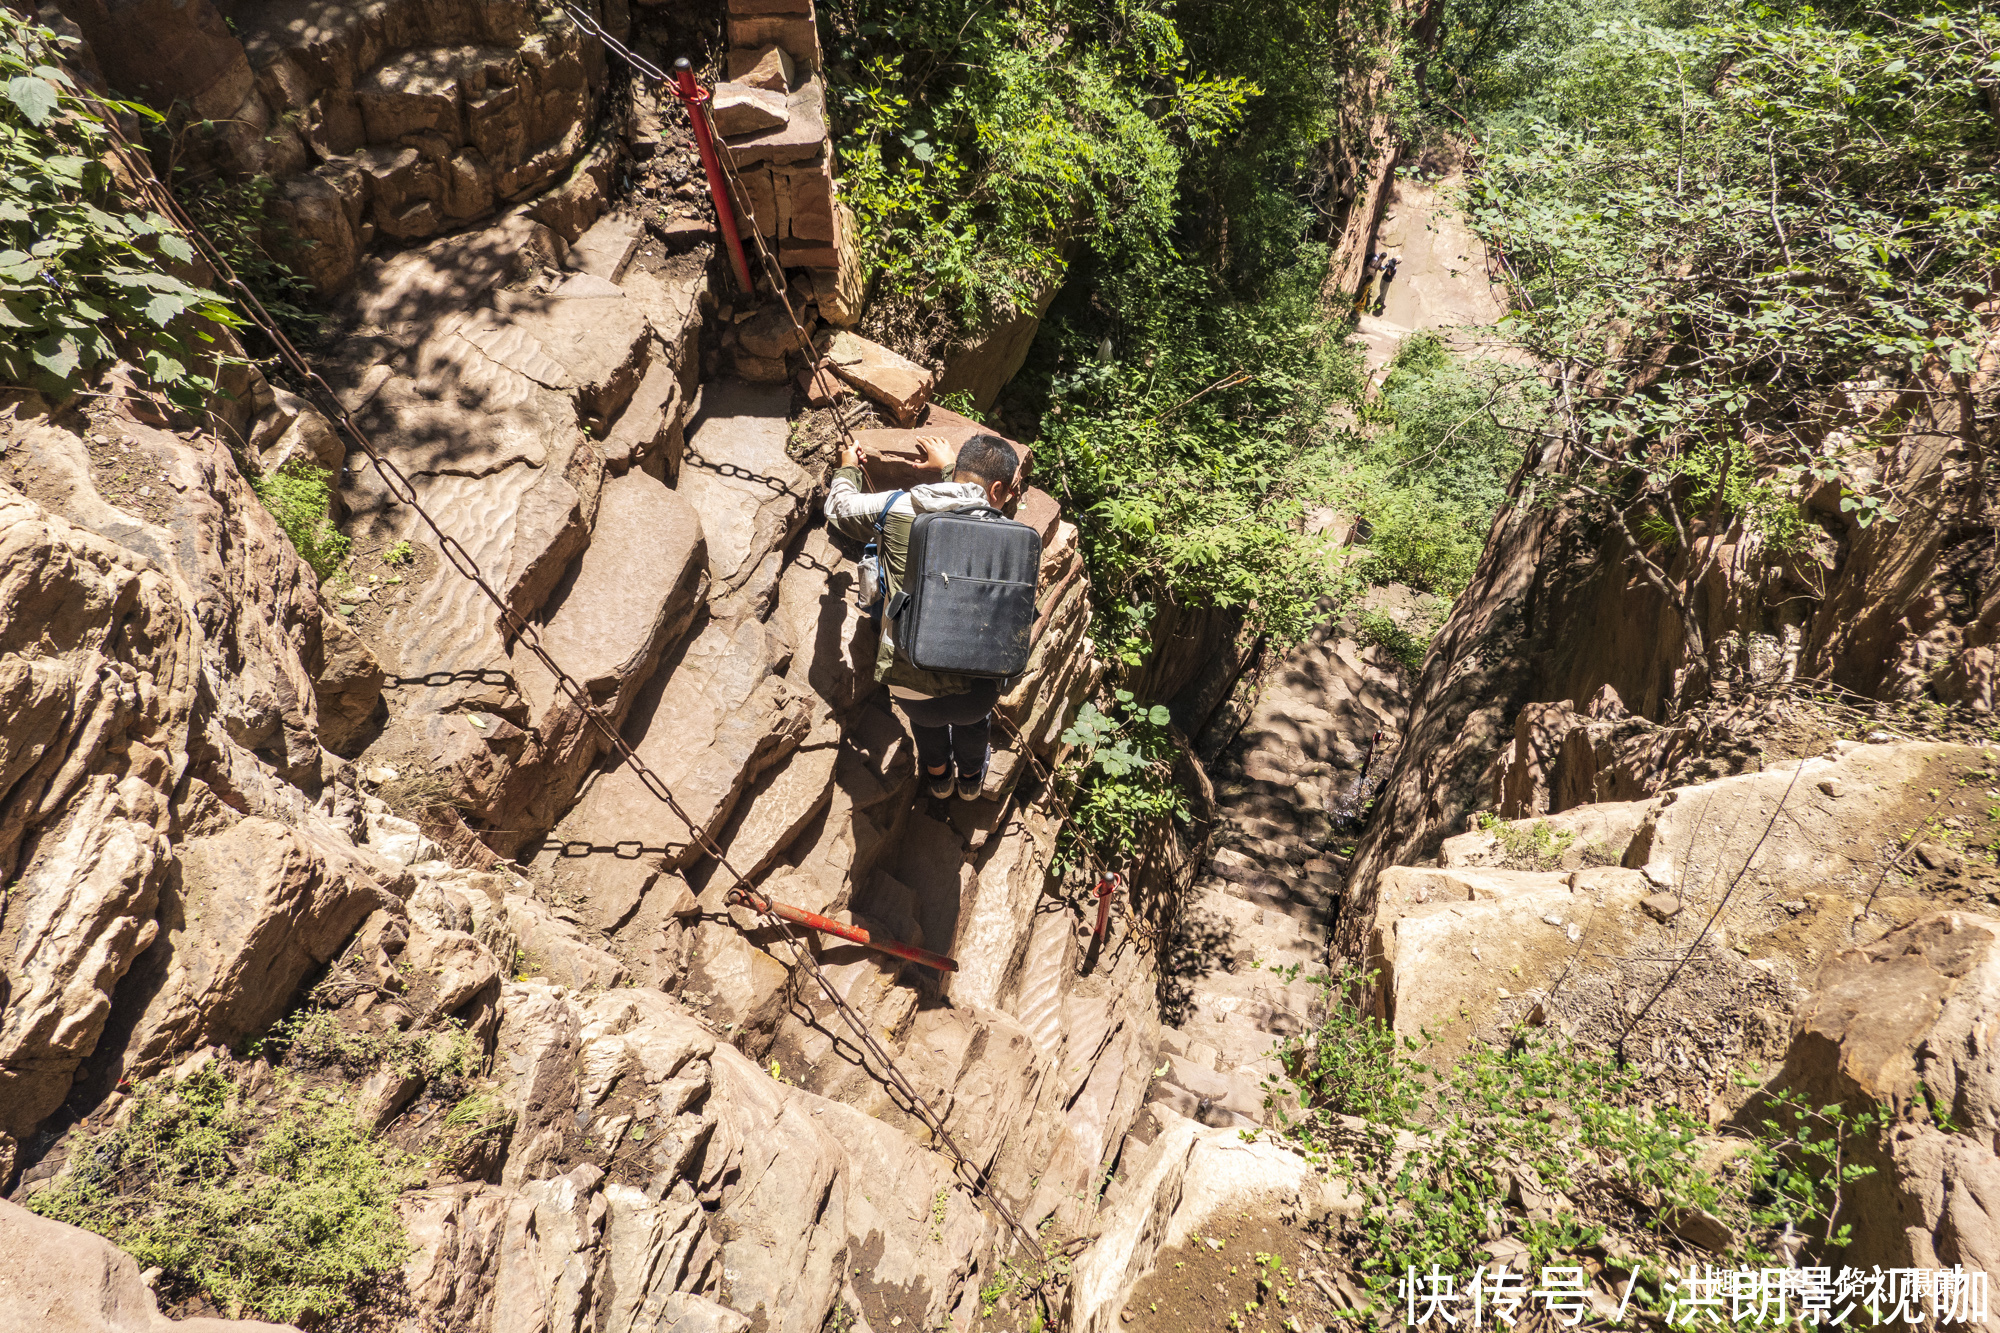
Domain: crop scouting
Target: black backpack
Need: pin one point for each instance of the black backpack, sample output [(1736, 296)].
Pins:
[(968, 607)]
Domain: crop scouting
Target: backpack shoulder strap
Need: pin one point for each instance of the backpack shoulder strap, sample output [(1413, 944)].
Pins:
[(882, 518)]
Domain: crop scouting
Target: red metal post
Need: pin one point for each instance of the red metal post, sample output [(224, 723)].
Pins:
[(852, 934), (692, 95), (1106, 887)]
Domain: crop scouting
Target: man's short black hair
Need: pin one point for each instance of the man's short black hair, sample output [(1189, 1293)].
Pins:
[(987, 458)]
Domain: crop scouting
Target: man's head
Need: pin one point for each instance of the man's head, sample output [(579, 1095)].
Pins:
[(992, 462)]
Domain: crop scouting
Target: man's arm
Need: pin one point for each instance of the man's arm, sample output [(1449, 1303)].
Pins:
[(850, 511)]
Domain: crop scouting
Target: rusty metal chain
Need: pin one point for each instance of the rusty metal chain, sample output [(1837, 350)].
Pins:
[(140, 174)]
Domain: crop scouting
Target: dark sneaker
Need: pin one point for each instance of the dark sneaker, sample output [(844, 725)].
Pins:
[(970, 783), (939, 784)]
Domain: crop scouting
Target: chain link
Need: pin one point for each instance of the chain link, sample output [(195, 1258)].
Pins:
[(139, 172)]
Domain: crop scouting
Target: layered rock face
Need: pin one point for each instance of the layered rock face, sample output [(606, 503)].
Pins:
[(1550, 679), (398, 120), (200, 815), (165, 643)]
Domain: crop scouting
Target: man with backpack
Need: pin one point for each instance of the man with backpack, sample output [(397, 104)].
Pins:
[(925, 618)]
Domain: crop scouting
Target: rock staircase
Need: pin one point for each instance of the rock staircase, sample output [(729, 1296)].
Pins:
[(1294, 786), (1255, 932)]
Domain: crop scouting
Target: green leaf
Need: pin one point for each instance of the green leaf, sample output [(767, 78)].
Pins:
[(176, 248), (36, 99), (162, 308), (57, 355), (1159, 716), (164, 369)]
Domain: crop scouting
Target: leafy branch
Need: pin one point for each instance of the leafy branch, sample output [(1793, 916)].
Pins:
[(83, 279)]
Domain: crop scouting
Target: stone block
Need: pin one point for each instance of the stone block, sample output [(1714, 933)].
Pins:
[(788, 7), (760, 196), (1661, 906), (899, 384), (769, 333), (606, 248), (770, 68), (798, 35), (642, 427), (468, 185), (739, 109), (794, 253), (760, 369), (805, 202), (802, 138)]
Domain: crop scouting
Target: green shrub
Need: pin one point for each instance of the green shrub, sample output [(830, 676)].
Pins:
[(84, 277), (1536, 847), (319, 1039), (1402, 643), (1353, 1065), (287, 1222), (981, 143), (1442, 1142), (300, 496), (1120, 781)]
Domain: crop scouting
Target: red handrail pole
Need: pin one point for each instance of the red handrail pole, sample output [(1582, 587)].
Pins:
[(1105, 888), (692, 95), (852, 934)]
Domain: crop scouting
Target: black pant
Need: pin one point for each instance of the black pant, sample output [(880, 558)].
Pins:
[(953, 724)]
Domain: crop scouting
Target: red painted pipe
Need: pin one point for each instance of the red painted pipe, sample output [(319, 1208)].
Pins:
[(852, 934), (692, 95), (1106, 887)]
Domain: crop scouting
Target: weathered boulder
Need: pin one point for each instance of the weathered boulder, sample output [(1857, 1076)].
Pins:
[(1564, 757), (1184, 1175), (896, 382), (347, 688), (1450, 968), (751, 495), (258, 909), (1602, 831), (60, 1279), (1810, 824), (1901, 1025)]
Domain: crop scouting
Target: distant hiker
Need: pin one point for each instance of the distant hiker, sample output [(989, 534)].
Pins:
[(1364, 294), (1388, 276), (980, 626)]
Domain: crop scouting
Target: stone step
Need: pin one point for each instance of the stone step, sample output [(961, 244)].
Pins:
[(1255, 827), (1276, 857), (1302, 919), (1307, 905), (1294, 895)]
